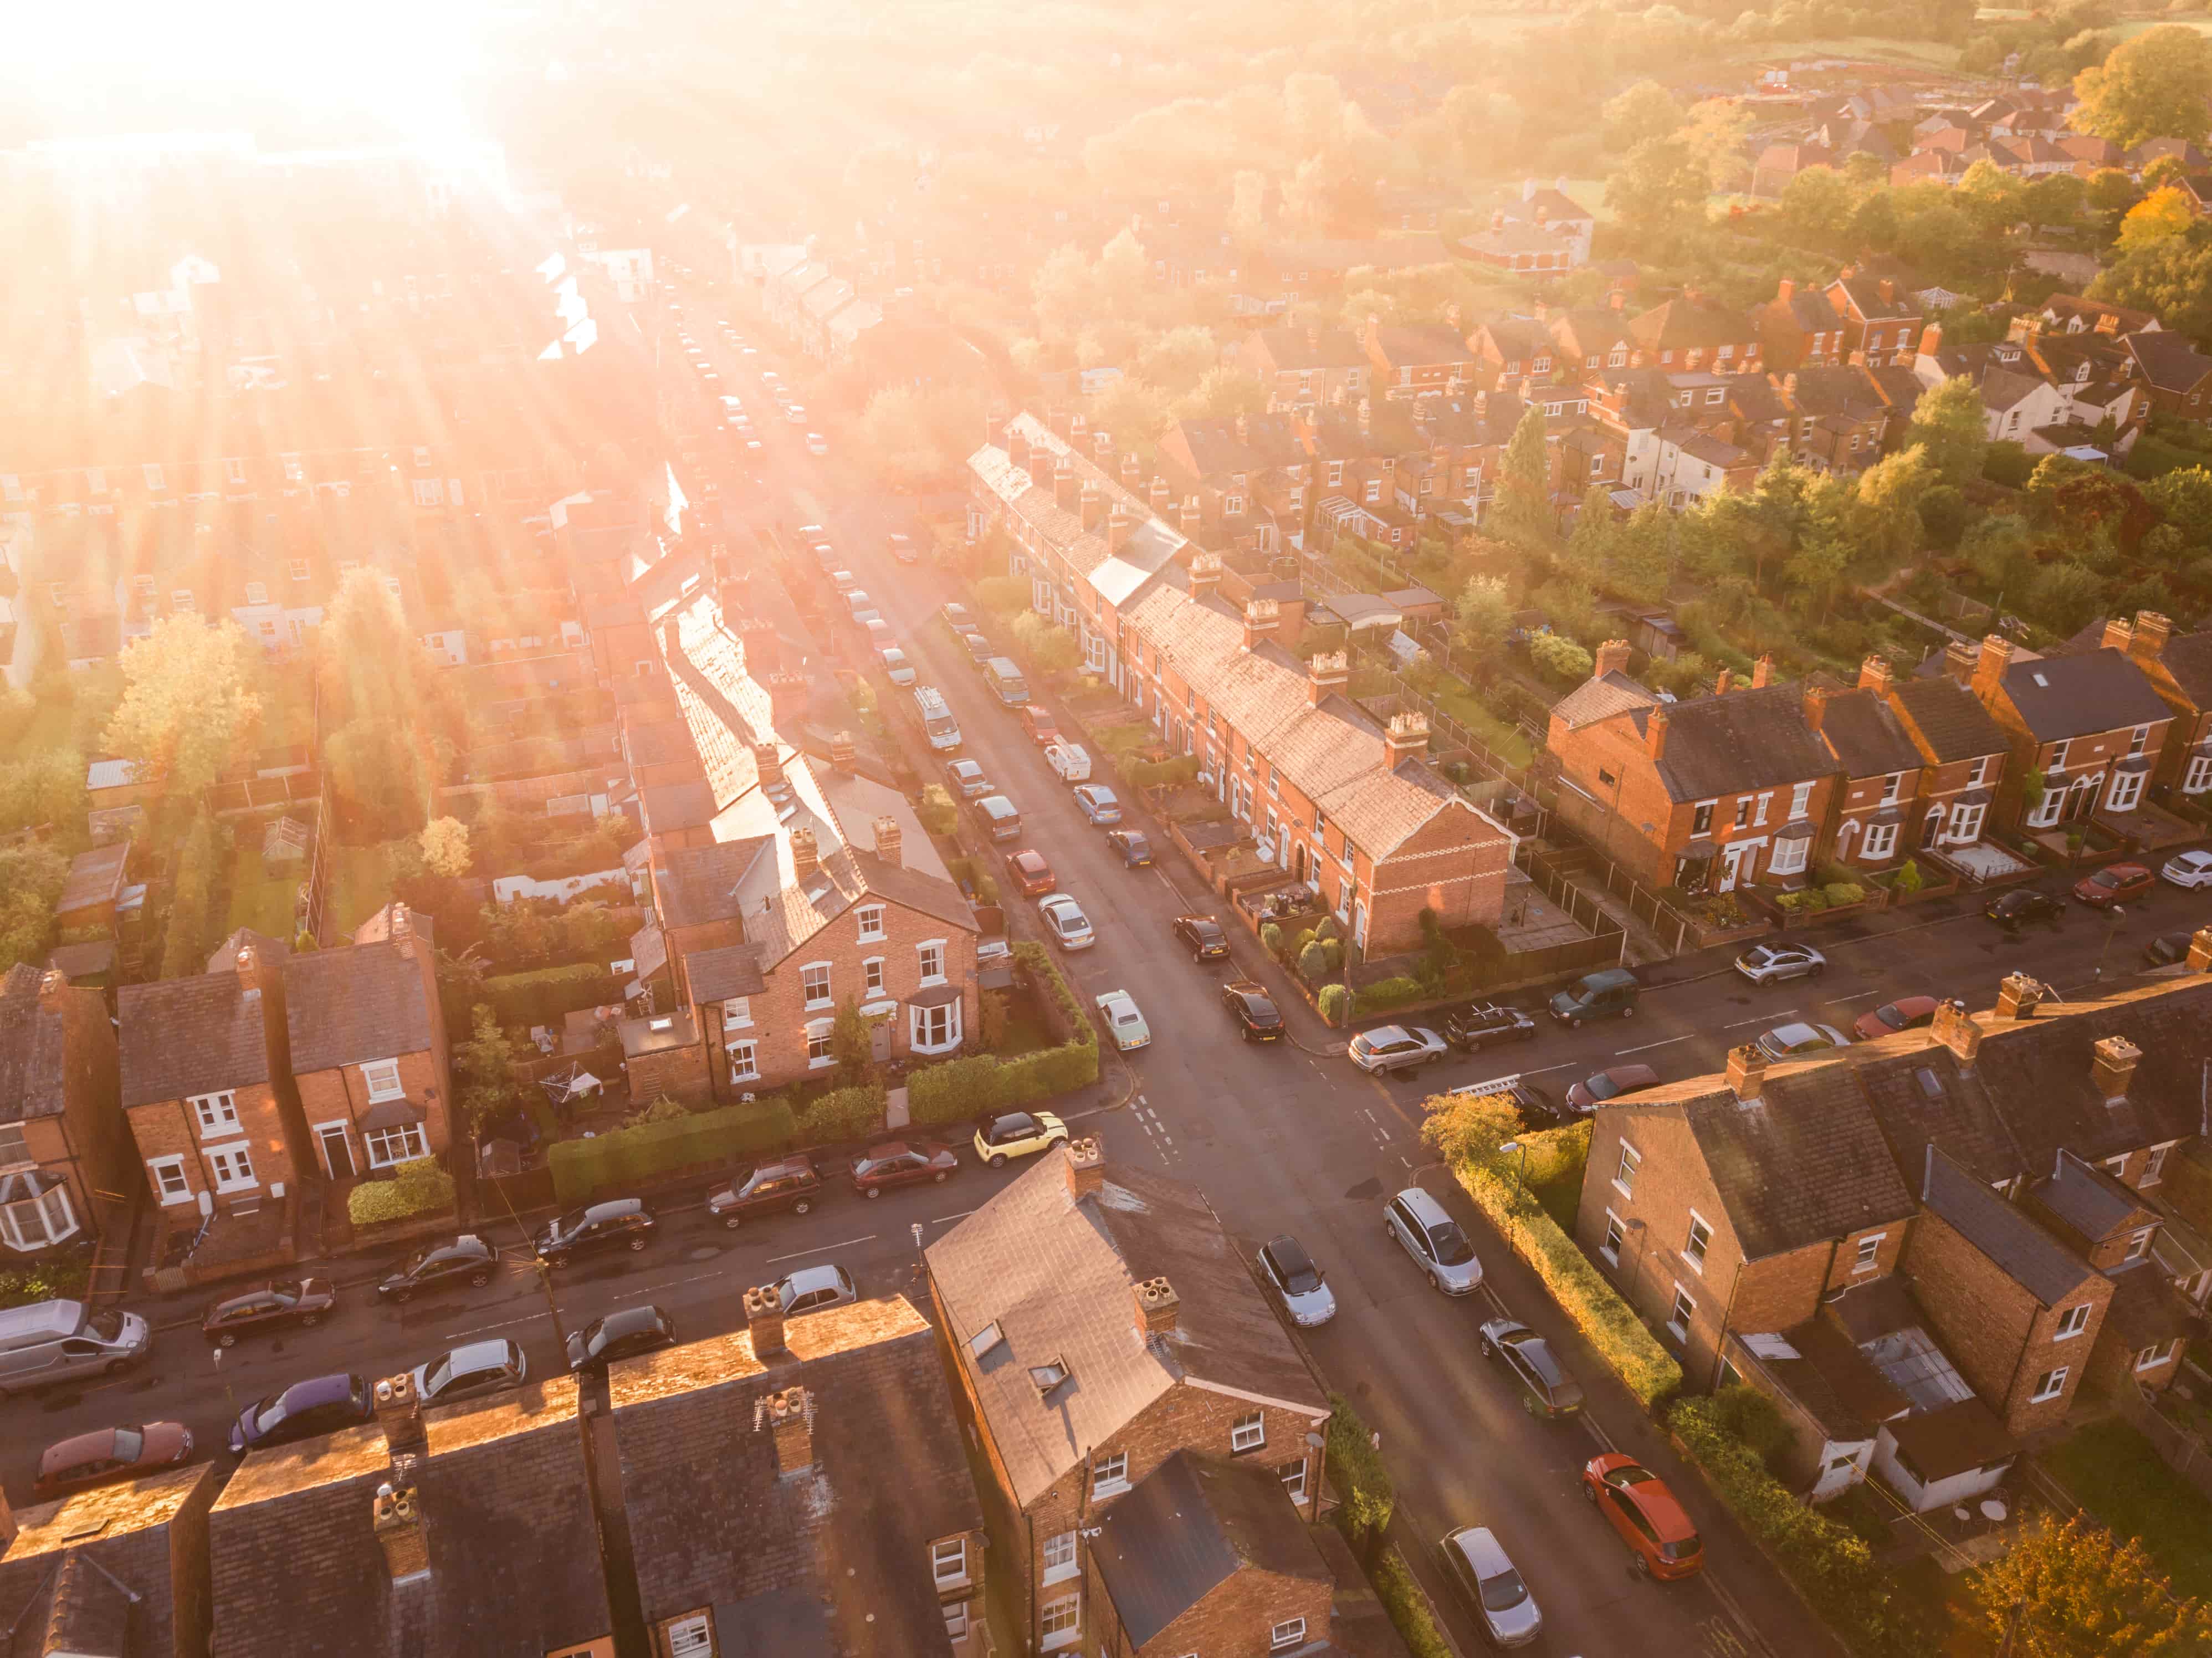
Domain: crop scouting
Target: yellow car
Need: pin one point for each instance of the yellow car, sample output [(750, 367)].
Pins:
[(1018, 1134)]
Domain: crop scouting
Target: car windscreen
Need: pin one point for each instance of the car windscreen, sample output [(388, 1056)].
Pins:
[(1888, 1014), (439, 1374), (1688, 1549), (107, 1324), (1602, 1086), (273, 1418), (1302, 1280), (569, 1223), (1450, 1244), (130, 1445), (1504, 1592)]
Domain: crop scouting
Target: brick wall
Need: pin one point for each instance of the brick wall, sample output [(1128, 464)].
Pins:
[(340, 1094), (1234, 1620), (171, 1128), (1455, 864)]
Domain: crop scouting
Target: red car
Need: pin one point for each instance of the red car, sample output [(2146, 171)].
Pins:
[(2112, 883), (1661, 1541), (1905, 1013), (1041, 728), (111, 1454), (903, 1162), (1031, 873)]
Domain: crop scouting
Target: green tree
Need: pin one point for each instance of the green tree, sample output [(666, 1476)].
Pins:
[(1313, 109), (851, 1046), (2171, 277), (1646, 110), (1884, 520), (1818, 203), (189, 936), (32, 876), (446, 848), (1948, 427), (1066, 291), (2065, 597), (1714, 140), (2184, 497), (1660, 185), (1466, 1129), (190, 708), (1125, 275), (1522, 513), (2071, 1589), (2166, 170), (2055, 198), (484, 1071), (1591, 549), (1483, 614), (1991, 198), (376, 770), (1560, 657), (1051, 650), (2154, 86), (42, 788), (366, 657), (1248, 216), (1223, 393), (2165, 213), (2110, 191), (1177, 360)]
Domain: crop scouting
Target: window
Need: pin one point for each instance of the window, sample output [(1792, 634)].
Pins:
[(956, 1620), (738, 1013), (2199, 777), (293, 472), (233, 470), (1624, 1178), (1981, 773), (2137, 741), (818, 1044), (1880, 840), (152, 475), (171, 1184), (96, 480), (2058, 754), (1286, 1635), (2050, 1385), (389, 1145), (871, 922), (2139, 1245), (745, 1062), (2151, 1358), (931, 959), (934, 1030), (1788, 856), (232, 1167), (1743, 812), (1678, 1320), (1759, 817), (181, 601), (872, 975), (1869, 1253), (1611, 1248), (1248, 1433), (1701, 820), (15, 1146), (1060, 1563), (257, 593), (814, 979), (1109, 1474), (382, 1076), (2072, 1322), (948, 1562), (1967, 821), (1700, 1240), (218, 1112), (429, 492), (1293, 1476), (690, 1637), (1062, 1621), (2154, 1166), (31, 1217)]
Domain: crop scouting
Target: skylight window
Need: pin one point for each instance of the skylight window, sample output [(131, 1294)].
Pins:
[(985, 1339), (1048, 1375), (1931, 1085)]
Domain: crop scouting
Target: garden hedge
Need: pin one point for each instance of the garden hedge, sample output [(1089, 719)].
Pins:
[(976, 1084), (420, 1187), (549, 994), (626, 1157), (954, 1090), (844, 1114), (1385, 994)]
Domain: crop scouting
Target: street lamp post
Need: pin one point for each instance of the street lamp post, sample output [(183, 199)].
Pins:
[(2111, 932)]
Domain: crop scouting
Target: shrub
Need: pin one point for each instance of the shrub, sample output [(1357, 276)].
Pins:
[(1329, 928), (1809, 902), (1335, 1004), (1385, 994), (954, 1090), (1003, 595), (1559, 656), (843, 1114), (1313, 961), (1053, 1071), (1410, 1614), (1043, 970), (545, 996), (58, 1277), (936, 810), (1334, 950), (1271, 939), (1162, 773), (1909, 879), (628, 1155), (1841, 893), (419, 1186)]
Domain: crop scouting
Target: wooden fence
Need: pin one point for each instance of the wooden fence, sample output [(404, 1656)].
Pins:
[(2179, 1449)]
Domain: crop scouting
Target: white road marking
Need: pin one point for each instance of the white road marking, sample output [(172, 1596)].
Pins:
[(946, 1220), (1647, 1047), (847, 1244), (478, 1329), (1538, 1070), (1763, 1018), (1845, 1001)]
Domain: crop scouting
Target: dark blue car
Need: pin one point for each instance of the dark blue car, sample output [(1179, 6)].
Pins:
[(303, 1411), (1136, 851)]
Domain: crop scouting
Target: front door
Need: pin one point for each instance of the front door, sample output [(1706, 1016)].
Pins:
[(2082, 799), (1736, 865), (337, 1151), (879, 1040)]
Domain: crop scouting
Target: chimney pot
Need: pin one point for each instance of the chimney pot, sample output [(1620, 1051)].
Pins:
[(769, 762), (1260, 617), (2200, 951), (764, 1319), (2112, 1066), (1612, 658), (1876, 675), (398, 1410), (1063, 487), (890, 840), (1204, 574), (53, 985), (1327, 673), (1159, 496), (805, 856), (1747, 1072), (1158, 1307), (1959, 659), (1762, 673), (1086, 1168), (2152, 631), (1956, 1028), (1130, 469), (1722, 681), (1117, 529), (1989, 667), (1093, 506), (1405, 738), (842, 749), (791, 1422), (399, 1534), (2019, 996), (2119, 635), (1018, 451), (1816, 705), (1190, 517)]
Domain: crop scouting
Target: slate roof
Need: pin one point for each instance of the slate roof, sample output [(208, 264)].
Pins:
[(358, 1002), (1834, 1381), (692, 885), (1954, 1439), (1600, 697), (2033, 1258), (2188, 658), (1684, 323), (225, 955), (1058, 1278), (1327, 348), (833, 1561), (1951, 718), (2064, 696), (95, 878), (1946, 1108), (1866, 737), (64, 1579), (2088, 1199), (1750, 740), (34, 1051), (1189, 1527), (513, 1545), (2169, 361), (180, 1038), (2145, 1310), (716, 975)]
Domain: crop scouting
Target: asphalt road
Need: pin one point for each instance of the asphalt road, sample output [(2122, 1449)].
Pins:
[(1281, 1138)]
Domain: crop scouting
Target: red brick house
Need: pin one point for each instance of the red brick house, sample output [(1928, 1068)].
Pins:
[(1881, 322), (1798, 329), (1305, 367), (2178, 374), (2091, 728), (2115, 1228), (2179, 669), (63, 1145), (1962, 749), (1691, 333), (1410, 361)]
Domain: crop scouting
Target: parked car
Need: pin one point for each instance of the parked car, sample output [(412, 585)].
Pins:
[(903, 1162), (789, 1184), (980, 649), (1302, 1286), (1490, 1588), (1123, 1022), (470, 1370), (810, 1289), (1098, 804), (1070, 761), (1434, 1240), (1801, 1039), (816, 444), (1133, 849), (1611, 994), (1018, 1134), (1609, 1084), (1037, 721), (2168, 948), (903, 547), (267, 1307), (624, 1334), (1065, 919), (107, 1454), (966, 780), (1546, 1389), (897, 668), (2113, 884), (2190, 870), (845, 582), (1396, 1047), (1002, 820), (619, 1223), (1257, 1017), (1766, 964), (958, 618), (321, 1405), (1661, 1541), (1206, 939), (467, 1259), (1030, 872), (1480, 1024), (2012, 909), (1905, 1013)]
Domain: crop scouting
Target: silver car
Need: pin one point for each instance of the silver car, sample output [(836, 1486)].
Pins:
[(1767, 964), (1798, 1039), (1069, 927), (1305, 1292), (1492, 1588), (479, 1367), (1396, 1047), (810, 1289), (1434, 1240)]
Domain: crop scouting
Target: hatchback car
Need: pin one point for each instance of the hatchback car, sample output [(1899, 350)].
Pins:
[(1032, 874), (1546, 1389), (2168, 948), (958, 618), (810, 1289), (903, 1162), (1018, 1134), (1905, 1013), (103, 1457), (1489, 1587), (1038, 722), (467, 1259), (1480, 1024), (1764, 964), (2012, 909), (471, 1371), (267, 1307), (1303, 1286), (2113, 884), (902, 547), (1800, 1039), (980, 649), (1002, 819), (816, 444), (2187, 869), (1205, 939), (1614, 1081), (1258, 1018), (623, 1223), (1134, 851), (1661, 1541), (321, 1405), (897, 668), (1124, 1023), (789, 1184), (624, 1334), (1396, 1047), (1098, 804), (1434, 1240), (966, 779), (1064, 919)]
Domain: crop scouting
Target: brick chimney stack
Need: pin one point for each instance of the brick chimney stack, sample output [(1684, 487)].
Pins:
[(1407, 738), (1327, 674), (399, 1534), (53, 989), (769, 763), (1090, 506), (398, 1410), (1959, 659), (1747, 1072), (1205, 575), (2112, 1067), (1063, 486), (805, 856), (1612, 658), (1876, 675), (1086, 1168), (1131, 472), (1017, 450), (1192, 517), (1117, 529), (764, 1319), (1260, 617), (1160, 1310), (2152, 631), (1989, 667), (2119, 635), (1160, 496), (1723, 681), (890, 840), (1816, 705), (2200, 951), (1762, 673), (842, 749), (1654, 733), (403, 928), (1956, 1028), (790, 1416), (2019, 996)]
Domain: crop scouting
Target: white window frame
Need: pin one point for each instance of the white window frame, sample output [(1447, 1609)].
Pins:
[(821, 1031), (56, 1216), (1880, 842), (2155, 1164), (220, 1159), (158, 1170), (1616, 1235), (1293, 1476), (151, 470), (2157, 1356), (15, 1147), (2198, 777), (690, 1637), (1248, 1433), (871, 977), (745, 1062), (2072, 1322), (216, 1114), (814, 983), (1624, 1180), (955, 1621), (871, 922), (1109, 1474), (2051, 1384), (381, 1078), (1060, 1563), (929, 956), (957, 1561), (1061, 1622), (934, 1030), (1290, 1632), (1695, 1249), (2139, 1244), (1789, 856), (429, 492), (387, 1148), (233, 470), (1966, 822), (1868, 1254), (1685, 1308), (737, 1013), (2125, 789), (180, 600)]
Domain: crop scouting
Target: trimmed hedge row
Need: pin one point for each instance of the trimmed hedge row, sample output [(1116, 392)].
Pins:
[(419, 1186), (979, 1083), (1044, 970), (954, 1090), (1385, 994), (844, 1114), (626, 1157), (548, 995)]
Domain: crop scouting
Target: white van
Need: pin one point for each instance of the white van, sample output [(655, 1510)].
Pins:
[(1070, 761), (938, 724), (51, 1342)]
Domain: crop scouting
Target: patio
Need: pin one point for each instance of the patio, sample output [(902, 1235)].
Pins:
[(1532, 921), (1984, 861), (2151, 828)]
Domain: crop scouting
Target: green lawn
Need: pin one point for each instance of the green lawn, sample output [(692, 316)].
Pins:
[(1504, 738), (2112, 1471), (1025, 1034), (360, 882)]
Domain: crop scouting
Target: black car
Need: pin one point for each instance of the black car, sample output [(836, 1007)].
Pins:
[(2022, 904), (624, 1334), (1206, 939), (1538, 1110), (790, 1184), (1546, 1389), (467, 1259), (623, 1223), (980, 649), (1480, 1024), (1135, 851), (302, 1411), (1254, 1010), (2167, 948)]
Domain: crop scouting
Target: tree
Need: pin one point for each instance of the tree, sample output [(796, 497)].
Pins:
[(1484, 614), (1223, 393), (376, 768), (1646, 110), (32, 876), (2111, 189), (484, 1071), (1066, 292), (1465, 1130), (1715, 141), (1884, 520), (366, 657), (1991, 198), (189, 710), (2065, 596), (2163, 214), (1590, 547), (1313, 108), (1248, 218), (1818, 203), (2153, 85), (1523, 513), (1124, 274), (2172, 278), (189, 937), (2071, 1589), (1051, 650), (2056, 199), (1948, 427), (1659, 186), (47, 787), (1560, 657), (1179, 359), (2184, 496), (446, 848), (851, 1046), (2166, 170)]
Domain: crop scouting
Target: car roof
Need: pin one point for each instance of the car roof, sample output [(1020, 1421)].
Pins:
[(1795, 1031), (824, 1277), (1288, 1252), (319, 1390), (79, 1447), (1652, 1495), (1425, 1209), (1388, 1033), (614, 1207), (623, 1320), (476, 1355), (1481, 1550), (1013, 1119), (1027, 857), (1632, 1076), (1909, 1006)]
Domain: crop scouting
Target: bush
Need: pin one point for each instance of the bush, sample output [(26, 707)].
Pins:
[(545, 996), (1053, 1071), (843, 1114), (1162, 773), (420, 1187), (1003, 595), (1560, 657), (1908, 879), (1335, 1004), (1043, 970), (1313, 963), (936, 810), (59, 1278), (2006, 463), (1271, 939), (1841, 893), (954, 1090), (628, 1155), (1810, 901), (1386, 994), (1410, 1614)]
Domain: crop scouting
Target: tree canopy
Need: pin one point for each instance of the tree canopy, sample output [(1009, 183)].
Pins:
[(2154, 86), (2071, 1589), (191, 707)]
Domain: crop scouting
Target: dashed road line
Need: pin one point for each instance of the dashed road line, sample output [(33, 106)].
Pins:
[(1762, 1018), (824, 1249), (1845, 1001), (505, 1324), (947, 1220), (1665, 1043)]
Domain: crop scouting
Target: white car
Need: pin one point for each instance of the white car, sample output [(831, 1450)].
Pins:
[(1396, 1047), (1070, 761), (897, 668), (1799, 1040), (1065, 918), (1764, 964), (810, 1289), (816, 444), (478, 1367), (2187, 869), (1123, 1022), (795, 413)]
